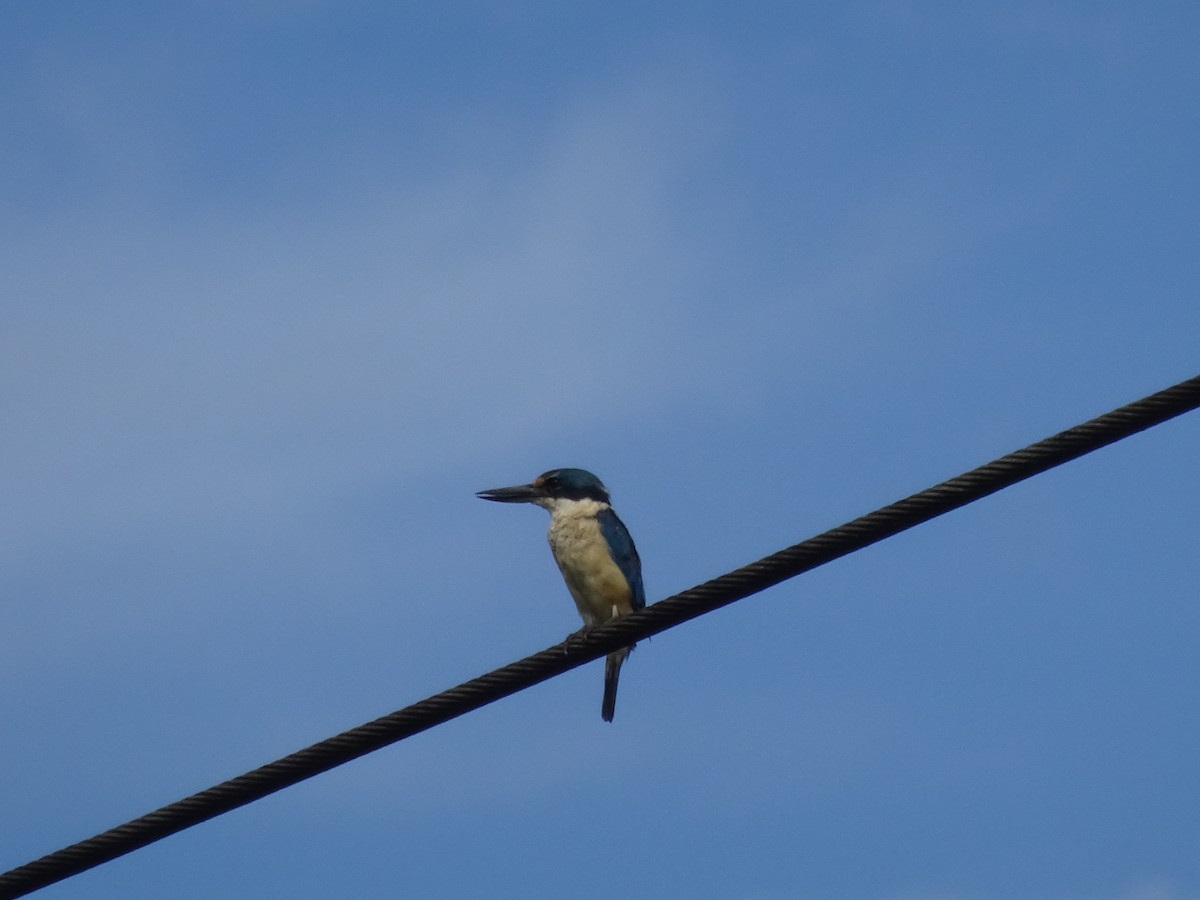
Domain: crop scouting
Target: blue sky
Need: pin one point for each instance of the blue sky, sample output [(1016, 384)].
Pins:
[(285, 283)]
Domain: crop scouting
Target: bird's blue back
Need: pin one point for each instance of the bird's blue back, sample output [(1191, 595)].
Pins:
[(624, 553)]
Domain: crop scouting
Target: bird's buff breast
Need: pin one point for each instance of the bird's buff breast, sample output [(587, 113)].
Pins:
[(594, 580)]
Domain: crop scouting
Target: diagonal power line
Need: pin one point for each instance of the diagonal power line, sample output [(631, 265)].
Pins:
[(470, 695)]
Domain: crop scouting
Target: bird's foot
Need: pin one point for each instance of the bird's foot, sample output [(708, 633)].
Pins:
[(575, 637)]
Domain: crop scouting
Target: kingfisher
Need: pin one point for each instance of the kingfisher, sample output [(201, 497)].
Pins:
[(593, 550)]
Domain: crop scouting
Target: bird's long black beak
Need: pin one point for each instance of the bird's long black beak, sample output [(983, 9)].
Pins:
[(521, 493)]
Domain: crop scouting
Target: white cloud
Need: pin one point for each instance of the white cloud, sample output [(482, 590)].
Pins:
[(157, 362)]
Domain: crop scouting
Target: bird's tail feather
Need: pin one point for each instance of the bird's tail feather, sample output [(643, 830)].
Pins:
[(612, 672)]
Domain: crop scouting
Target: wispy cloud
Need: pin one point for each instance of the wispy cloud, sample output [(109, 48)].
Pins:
[(154, 362)]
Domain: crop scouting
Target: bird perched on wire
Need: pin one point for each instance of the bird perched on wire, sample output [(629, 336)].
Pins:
[(593, 550)]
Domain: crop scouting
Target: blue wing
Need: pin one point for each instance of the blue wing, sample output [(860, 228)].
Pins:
[(620, 545)]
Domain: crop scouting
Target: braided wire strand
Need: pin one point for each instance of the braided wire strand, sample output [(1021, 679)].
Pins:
[(578, 650)]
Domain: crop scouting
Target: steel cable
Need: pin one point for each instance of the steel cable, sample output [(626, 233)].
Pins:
[(575, 651)]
